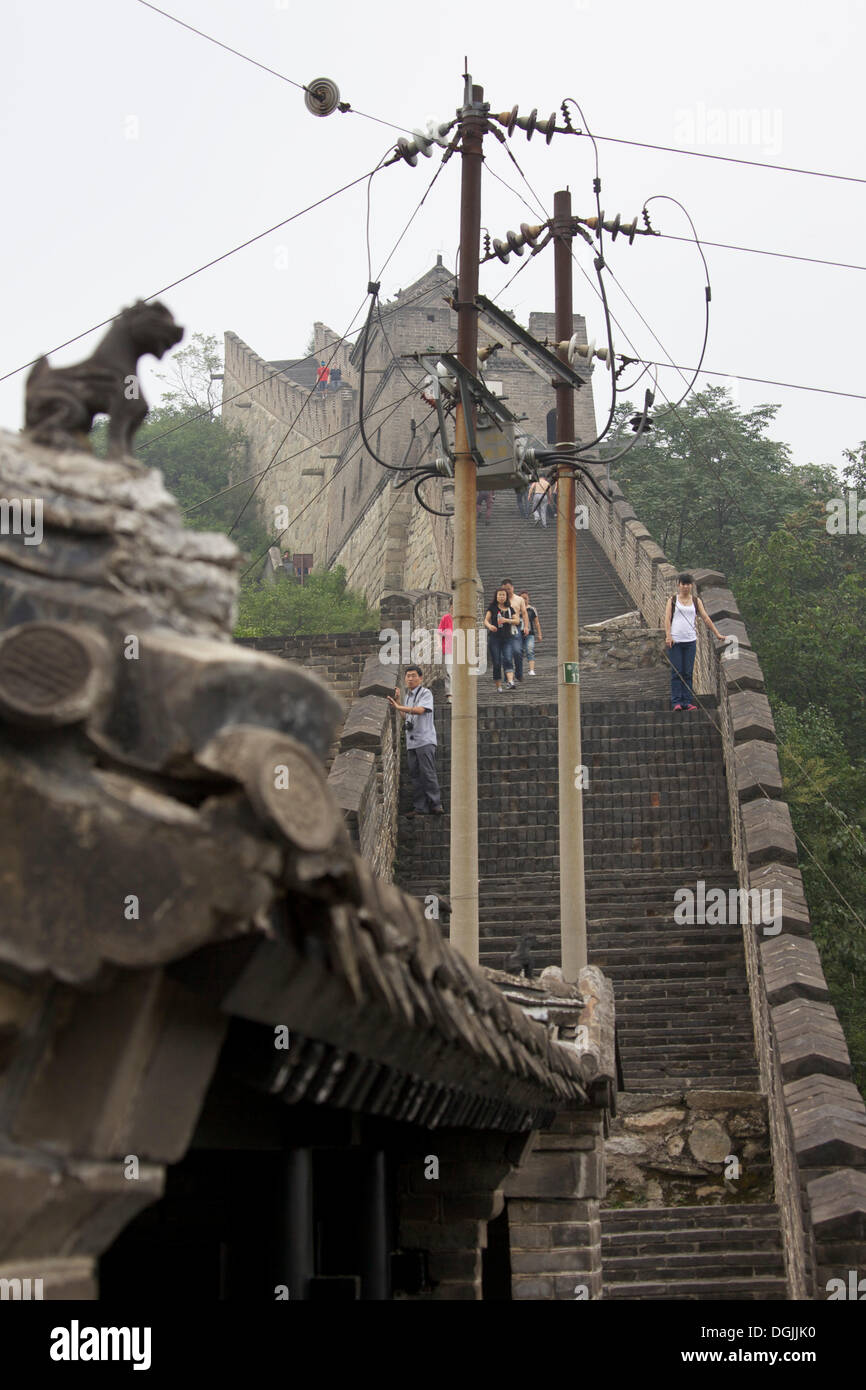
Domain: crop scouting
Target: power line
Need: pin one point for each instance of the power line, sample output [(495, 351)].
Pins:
[(674, 408), (760, 380), (342, 339), (727, 159), (759, 251), (207, 265), (344, 107)]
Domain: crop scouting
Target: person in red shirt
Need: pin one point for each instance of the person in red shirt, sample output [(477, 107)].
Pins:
[(446, 627), (322, 376)]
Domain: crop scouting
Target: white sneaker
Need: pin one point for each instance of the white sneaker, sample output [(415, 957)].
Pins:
[(531, 673)]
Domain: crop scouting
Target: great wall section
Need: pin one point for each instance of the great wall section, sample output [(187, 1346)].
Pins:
[(736, 1166)]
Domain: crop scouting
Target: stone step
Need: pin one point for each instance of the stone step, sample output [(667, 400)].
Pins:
[(722, 1290), (726, 1263), (712, 1215)]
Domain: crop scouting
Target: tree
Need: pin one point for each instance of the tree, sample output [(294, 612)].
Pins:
[(708, 479), (323, 603), (198, 458), (190, 378)]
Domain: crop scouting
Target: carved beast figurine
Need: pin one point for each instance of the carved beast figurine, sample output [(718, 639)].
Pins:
[(61, 402)]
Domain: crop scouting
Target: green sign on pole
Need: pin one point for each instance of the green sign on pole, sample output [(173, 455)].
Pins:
[(571, 673)]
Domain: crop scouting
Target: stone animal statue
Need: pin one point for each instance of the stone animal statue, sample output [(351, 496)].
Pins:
[(520, 960), (61, 402)]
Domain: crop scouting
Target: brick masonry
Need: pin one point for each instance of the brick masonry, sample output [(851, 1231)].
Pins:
[(801, 1050)]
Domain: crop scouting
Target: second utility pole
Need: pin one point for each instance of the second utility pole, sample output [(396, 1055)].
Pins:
[(464, 704), (572, 892)]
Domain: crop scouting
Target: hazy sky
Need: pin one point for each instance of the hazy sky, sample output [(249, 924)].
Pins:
[(134, 151)]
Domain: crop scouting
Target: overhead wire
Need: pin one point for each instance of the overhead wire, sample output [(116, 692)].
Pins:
[(344, 107), (835, 809), (342, 339), (198, 271), (727, 158), (760, 251)]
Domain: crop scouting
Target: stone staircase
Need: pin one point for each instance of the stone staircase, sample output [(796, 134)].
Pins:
[(655, 820), (731, 1252)]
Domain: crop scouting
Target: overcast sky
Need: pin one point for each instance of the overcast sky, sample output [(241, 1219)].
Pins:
[(134, 151)]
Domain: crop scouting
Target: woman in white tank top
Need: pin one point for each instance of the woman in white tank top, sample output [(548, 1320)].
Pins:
[(681, 638)]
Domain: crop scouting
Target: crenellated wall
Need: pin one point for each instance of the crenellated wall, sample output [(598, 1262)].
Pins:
[(817, 1116)]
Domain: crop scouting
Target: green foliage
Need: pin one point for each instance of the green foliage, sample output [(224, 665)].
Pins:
[(284, 607), (199, 457), (716, 492), (826, 793), (707, 479)]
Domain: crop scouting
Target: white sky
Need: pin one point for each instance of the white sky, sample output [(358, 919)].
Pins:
[(94, 219)]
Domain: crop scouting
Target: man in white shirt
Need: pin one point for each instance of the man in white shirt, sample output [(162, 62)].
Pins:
[(421, 744)]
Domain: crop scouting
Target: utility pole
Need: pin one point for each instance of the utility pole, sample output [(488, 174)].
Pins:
[(572, 889), (464, 704)]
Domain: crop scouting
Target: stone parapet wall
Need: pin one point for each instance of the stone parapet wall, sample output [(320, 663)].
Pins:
[(676, 1148), (817, 1117)]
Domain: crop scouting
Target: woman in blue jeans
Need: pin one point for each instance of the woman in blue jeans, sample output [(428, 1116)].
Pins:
[(500, 620), (681, 639)]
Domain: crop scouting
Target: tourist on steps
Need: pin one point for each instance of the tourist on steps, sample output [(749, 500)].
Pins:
[(681, 615), (420, 744), (484, 501), (539, 498), (500, 621), (533, 632), (522, 627)]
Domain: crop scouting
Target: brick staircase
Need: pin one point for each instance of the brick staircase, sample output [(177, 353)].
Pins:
[(728, 1252), (655, 820)]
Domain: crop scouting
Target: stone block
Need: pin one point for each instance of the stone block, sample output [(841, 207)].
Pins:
[(809, 1040), (556, 1174), (351, 774), (124, 1072), (546, 1261), (750, 714), (838, 1205), (530, 1237), (723, 1100), (72, 1280), (742, 672), (73, 1209), (768, 834), (792, 969), (366, 722), (452, 1235), (788, 881), (525, 1288), (756, 770), (376, 679)]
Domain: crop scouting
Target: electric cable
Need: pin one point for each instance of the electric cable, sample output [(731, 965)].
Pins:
[(392, 408), (248, 390), (301, 86), (190, 274), (759, 251), (312, 390), (726, 158), (664, 197)]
